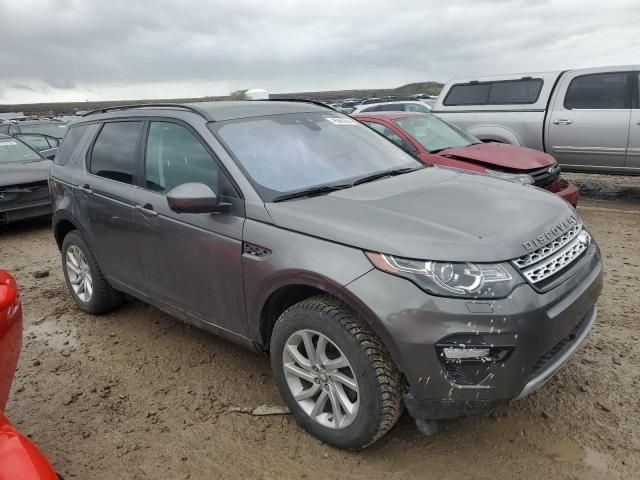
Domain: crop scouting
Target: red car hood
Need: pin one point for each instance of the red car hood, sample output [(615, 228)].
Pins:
[(502, 155)]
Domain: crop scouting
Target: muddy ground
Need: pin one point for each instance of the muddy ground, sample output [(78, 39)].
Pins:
[(138, 395)]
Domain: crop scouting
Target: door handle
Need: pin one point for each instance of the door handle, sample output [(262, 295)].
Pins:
[(638, 122), (147, 209), (563, 122), (86, 189)]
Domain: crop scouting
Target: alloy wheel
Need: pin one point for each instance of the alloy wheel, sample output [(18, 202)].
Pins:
[(321, 379), (79, 273)]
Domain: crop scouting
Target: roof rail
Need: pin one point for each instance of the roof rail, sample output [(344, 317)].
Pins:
[(301, 100), (182, 106)]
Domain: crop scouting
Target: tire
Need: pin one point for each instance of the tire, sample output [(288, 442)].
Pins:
[(376, 405), (103, 298)]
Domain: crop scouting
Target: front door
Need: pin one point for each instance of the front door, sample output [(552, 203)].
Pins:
[(189, 261), (588, 127)]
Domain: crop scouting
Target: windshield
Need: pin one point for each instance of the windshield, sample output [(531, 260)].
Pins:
[(291, 152), (54, 129), (12, 150), (434, 133)]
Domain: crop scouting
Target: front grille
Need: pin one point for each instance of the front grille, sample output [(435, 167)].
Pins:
[(545, 264), (544, 176), (547, 358), (17, 194), (549, 249), (557, 186)]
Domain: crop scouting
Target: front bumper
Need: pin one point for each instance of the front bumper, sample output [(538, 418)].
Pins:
[(564, 189), (13, 212), (540, 329)]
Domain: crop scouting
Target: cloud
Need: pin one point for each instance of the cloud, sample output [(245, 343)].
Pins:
[(74, 49)]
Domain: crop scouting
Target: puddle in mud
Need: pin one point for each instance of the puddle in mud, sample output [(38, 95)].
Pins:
[(567, 450)]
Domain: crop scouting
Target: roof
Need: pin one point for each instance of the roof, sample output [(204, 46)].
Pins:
[(388, 115), (218, 111)]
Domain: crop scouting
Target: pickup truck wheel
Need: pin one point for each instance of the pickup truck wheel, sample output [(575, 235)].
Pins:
[(335, 375), (85, 280)]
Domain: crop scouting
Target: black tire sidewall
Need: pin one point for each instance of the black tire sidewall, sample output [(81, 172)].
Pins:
[(361, 432)]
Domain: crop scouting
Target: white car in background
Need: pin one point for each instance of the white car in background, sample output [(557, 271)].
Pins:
[(398, 106)]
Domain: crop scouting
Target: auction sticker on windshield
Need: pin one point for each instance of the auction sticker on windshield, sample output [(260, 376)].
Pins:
[(342, 121)]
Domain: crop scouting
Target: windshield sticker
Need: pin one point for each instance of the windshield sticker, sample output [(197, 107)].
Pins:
[(342, 121), (4, 144)]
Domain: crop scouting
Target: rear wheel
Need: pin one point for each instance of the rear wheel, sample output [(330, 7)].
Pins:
[(85, 280), (335, 375)]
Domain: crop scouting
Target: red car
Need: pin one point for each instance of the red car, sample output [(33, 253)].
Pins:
[(435, 141), (19, 458)]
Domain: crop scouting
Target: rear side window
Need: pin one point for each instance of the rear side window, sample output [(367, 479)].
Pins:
[(69, 144), (600, 91), (507, 92), (115, 151), (392, 107)]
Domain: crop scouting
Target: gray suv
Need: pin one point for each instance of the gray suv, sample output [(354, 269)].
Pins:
[(374, 281)]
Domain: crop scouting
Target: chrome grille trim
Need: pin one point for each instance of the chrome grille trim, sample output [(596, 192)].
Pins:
[(559, 260), (549, 249)]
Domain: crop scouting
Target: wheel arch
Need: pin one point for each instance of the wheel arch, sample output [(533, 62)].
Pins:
[(495, 133), (63, 223)]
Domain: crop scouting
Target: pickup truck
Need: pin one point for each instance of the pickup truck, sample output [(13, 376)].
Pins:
[(588, 119)]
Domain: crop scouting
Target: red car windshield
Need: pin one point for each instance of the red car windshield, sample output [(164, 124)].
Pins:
[(435, 134)]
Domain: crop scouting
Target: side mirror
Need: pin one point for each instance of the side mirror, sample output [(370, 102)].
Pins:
[(195, 198), (49, 154), (409, 147)]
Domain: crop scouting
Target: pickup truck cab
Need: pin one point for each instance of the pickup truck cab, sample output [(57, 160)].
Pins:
[(588, 119)]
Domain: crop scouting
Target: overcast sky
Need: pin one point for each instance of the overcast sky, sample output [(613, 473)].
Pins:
[(76, 50)]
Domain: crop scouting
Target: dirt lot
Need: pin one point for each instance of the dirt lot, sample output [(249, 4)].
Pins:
[(138, 395)]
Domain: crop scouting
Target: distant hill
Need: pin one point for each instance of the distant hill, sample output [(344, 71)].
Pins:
[(69, 108)]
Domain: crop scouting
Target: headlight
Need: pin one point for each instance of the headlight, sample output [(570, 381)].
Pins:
[(521, 178), (451, 279)]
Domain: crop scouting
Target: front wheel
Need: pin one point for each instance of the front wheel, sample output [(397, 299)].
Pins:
[(335, 375)]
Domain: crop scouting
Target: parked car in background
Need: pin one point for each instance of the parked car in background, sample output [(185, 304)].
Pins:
[(588, 119), (19, 458), (24, 191), (436, 141), (396, 106), (46, 145), (373, 280), (52, 128)]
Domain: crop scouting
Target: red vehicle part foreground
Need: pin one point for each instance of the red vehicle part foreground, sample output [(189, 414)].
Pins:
[(19, 458), (479, 157)]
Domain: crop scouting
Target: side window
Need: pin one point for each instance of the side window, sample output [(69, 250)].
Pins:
[(391, 107), (175, 156), (599, 91), (387, 132), (502, 92), (114, 151), (69, 144)]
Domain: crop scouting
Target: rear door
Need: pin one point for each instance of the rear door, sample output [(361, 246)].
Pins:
[(588, 128), (104, 200), (632, 164), (189, 261)]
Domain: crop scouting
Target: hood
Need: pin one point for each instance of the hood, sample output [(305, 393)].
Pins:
[(16, 173), (501, 155), (436, 213)]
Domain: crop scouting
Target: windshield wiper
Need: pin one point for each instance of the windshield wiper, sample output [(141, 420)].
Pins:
[(387, 173), (309, 192)]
